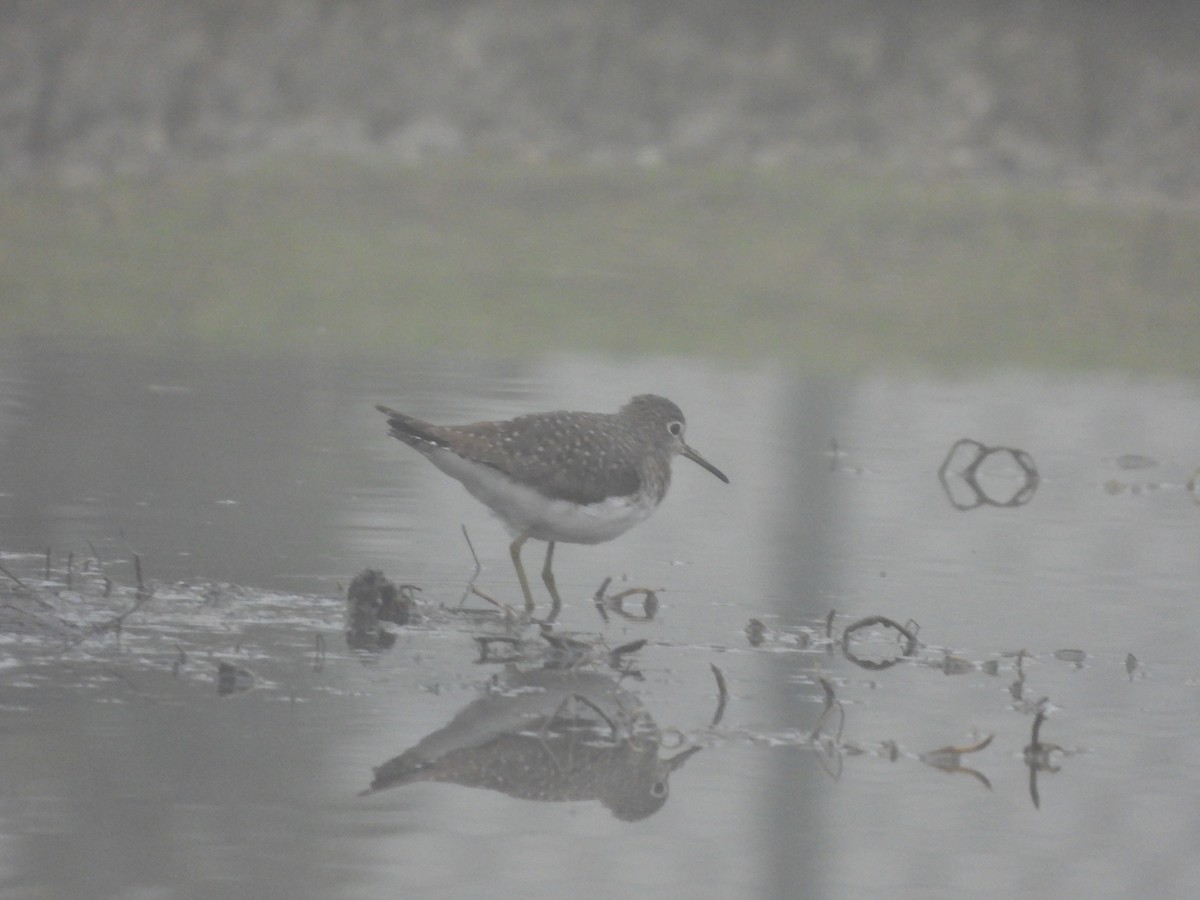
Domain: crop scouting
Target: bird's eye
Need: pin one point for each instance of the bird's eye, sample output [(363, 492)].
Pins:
[(676, 428)]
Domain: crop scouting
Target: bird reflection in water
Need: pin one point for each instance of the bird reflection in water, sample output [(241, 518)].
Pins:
[(548, 734)]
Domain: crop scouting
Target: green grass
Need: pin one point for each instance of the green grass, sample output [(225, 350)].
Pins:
[(816, 269)]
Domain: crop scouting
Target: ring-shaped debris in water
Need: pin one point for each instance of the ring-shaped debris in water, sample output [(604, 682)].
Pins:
[(907, 633), (969, 475)]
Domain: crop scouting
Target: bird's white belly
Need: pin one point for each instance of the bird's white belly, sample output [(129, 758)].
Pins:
[(526, 511)]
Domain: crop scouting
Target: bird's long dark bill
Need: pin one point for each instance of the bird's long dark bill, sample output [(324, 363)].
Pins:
[(704, 463)]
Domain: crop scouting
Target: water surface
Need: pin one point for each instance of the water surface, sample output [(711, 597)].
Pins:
[(253, 490)]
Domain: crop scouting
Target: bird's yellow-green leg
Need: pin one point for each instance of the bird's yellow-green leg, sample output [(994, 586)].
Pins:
[(551, 586), (515, 551)]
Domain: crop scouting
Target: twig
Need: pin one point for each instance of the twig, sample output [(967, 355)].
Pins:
[(1035, 740), (830, 701), (722, 695), (319, 653), (33, 594), (631, 647), (115, 623), (599, 599), (478, 567), (19, 582), (99, 561), (508, 610)]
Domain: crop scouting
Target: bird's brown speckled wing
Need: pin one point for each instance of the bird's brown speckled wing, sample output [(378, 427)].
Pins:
[(555, 453)]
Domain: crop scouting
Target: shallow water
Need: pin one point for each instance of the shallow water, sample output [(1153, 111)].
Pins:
[(252, 491)]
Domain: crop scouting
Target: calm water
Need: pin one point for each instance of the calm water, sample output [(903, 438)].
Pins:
[(254, 490)]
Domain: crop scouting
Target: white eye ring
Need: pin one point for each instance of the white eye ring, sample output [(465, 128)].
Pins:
[(676, 428)]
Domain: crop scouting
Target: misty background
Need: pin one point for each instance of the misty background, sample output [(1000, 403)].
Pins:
[(841, 236), (1088, 94)]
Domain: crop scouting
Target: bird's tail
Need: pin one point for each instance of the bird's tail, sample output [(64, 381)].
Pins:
[(413, 432)]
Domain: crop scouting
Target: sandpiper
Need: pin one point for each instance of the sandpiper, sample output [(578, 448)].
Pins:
[(578, 477)]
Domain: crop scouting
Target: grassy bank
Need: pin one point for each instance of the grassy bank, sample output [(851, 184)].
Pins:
[(813, 268)]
